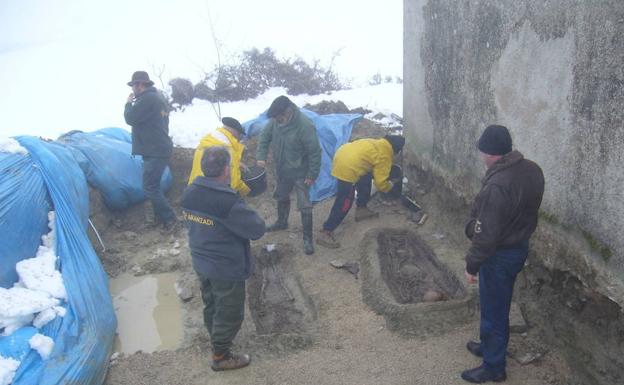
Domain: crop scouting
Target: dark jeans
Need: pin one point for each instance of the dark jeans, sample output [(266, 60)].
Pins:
[(224, 311), (153, 170), (496, 281), (344, 200)]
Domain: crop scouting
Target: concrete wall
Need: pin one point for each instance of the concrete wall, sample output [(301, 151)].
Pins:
[(553, 73)]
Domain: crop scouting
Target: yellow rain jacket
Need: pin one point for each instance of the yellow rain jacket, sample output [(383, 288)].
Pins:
[(222, 137), (356, 159)]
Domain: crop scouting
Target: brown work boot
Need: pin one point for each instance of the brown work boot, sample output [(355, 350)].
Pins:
[(364, 212), (326, 238), (229, 361)]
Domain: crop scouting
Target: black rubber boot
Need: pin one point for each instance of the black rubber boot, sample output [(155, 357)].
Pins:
[(283, 209), (308, 244)]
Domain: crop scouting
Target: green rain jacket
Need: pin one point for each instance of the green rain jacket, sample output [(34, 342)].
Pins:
[(295, 147)]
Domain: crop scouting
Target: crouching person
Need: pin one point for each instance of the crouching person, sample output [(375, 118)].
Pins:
[(220, 226)]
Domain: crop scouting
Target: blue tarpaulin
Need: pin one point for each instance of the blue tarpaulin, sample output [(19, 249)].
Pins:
[(105, 157), (49, 178), (333, 131), (24, 206)]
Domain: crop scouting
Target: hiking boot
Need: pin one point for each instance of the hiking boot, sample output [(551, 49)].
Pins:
[(362, 213), (229, 361), (480, 375), (474, 348), (326, 238)]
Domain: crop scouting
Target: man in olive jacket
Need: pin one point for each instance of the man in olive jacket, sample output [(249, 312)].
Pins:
[(502, 219), (297, 159), (147, 112), (220, 226)]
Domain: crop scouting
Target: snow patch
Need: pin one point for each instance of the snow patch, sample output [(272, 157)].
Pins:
[(42, 344), (11, 146), (8, 366)]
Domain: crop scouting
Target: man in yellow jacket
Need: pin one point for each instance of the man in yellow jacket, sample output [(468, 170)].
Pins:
[(227, 136), (356, 165)]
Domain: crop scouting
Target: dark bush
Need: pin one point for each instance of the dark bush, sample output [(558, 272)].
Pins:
[(257, 71), (203, 92), (328, 107), (181, 91)]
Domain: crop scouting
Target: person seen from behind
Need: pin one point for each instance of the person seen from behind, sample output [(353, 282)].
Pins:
[(229, 136), (220, 227)]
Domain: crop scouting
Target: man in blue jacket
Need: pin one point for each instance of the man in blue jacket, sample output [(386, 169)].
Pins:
[(147, 112), (220, 226)]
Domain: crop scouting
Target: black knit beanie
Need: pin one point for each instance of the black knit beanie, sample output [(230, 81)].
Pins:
[(278, 106), (397, 142), (495, 140)]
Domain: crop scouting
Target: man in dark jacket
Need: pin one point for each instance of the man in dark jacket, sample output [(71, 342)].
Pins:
[(297, 159), (147, 112), (502, 219), (220, 226)]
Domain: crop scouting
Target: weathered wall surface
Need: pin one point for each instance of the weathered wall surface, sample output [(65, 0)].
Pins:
[(553, 73)]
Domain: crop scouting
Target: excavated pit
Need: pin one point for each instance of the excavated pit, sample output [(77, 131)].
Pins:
[(412, 272), (403, 280), (279, 306)]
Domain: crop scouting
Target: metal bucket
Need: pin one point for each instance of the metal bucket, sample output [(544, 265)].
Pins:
[(255, 179), (396, 173)]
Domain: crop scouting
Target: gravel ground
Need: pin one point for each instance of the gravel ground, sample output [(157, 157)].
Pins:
[(342, 341)]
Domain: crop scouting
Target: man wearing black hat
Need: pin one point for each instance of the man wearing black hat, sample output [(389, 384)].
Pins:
[(147, 112), (502, 219), (297, 160), (228, 136)]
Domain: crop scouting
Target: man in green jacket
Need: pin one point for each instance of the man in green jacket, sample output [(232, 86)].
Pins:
[(297, 160)]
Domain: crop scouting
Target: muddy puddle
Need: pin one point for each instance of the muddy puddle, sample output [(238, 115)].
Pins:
[(148, 313)]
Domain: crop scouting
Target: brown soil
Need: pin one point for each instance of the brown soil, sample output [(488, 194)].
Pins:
[(306, 321), (411, 270)]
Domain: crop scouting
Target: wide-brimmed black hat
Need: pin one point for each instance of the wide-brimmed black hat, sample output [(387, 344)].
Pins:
[(233, 123), (140, 77)]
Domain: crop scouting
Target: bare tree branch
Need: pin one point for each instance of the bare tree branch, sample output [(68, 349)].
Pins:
[(217, 45)]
